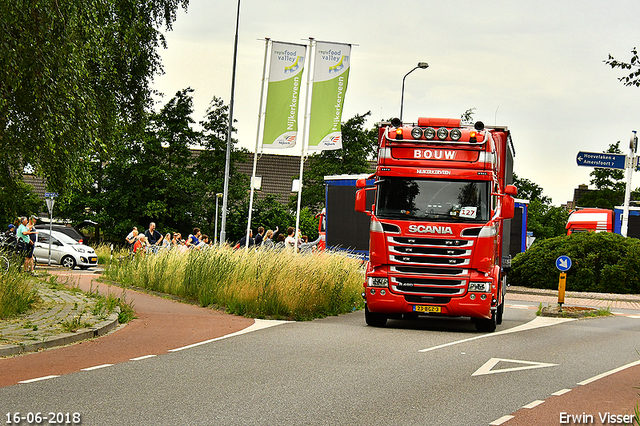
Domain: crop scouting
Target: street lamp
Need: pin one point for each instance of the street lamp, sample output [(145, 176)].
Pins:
[(227, 163), (421, 65), (215, 233)]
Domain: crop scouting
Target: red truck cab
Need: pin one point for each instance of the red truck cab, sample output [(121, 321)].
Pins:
[(443, 198), (590, 219)]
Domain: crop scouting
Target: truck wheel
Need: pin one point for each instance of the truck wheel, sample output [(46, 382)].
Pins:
[(374, 319), (486, 325), (499, 313)]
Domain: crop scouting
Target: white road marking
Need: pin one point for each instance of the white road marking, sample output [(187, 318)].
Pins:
[(522, 307), (38, 379), (487, 367), (533, 404), (142, 357), (500, 420), (259, 324), (96, 367), (615, 370), (561, 392), (535, 323)]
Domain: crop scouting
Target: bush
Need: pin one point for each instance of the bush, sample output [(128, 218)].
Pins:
[(601, 262)]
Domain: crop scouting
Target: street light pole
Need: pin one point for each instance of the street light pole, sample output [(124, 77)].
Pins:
[(227, 166), (421, 65), (215, 232)]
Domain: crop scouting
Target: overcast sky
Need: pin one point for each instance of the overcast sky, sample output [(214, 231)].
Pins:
[(536, 67)]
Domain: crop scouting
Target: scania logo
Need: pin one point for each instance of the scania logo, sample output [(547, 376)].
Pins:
[(427, 229)]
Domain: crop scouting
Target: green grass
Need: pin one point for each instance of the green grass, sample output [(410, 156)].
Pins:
[(260, 284), (17, 294)]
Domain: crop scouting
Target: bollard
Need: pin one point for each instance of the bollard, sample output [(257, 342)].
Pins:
[(562, 283)]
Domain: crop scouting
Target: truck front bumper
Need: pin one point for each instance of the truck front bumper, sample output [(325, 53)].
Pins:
[(474, 305)]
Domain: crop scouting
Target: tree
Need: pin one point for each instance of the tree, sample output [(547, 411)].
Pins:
[(543, 219), (633, 79), (358, 148), (210, 169), (610, 185), (18, 199), (74, 79)]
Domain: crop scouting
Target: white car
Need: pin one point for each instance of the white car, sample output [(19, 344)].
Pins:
[(64, 250)]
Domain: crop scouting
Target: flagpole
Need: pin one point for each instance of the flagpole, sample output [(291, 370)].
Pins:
[(255, 154), (305, 132)]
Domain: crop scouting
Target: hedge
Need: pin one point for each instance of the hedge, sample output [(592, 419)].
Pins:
[(601, 262)]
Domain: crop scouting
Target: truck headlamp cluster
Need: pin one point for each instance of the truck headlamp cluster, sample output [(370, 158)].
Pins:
[(416, 133), (378, 282), (442, 133), (481, 287)]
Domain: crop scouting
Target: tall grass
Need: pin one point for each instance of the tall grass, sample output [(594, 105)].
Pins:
[(261, 284), (17, 295)]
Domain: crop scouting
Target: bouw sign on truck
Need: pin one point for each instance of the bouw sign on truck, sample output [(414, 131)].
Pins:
[(440, 224)]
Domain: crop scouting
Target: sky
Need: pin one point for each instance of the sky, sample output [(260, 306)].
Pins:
[(536, 67)]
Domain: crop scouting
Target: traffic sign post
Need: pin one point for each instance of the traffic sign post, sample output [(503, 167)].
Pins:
[(601, 159), (50, 202), (563, 263), (606, 160)]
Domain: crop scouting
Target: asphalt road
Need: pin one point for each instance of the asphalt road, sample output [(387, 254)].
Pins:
[(338, 371)]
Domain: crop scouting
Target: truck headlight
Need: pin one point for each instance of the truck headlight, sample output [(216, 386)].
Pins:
[(378, 282), (479, 287)]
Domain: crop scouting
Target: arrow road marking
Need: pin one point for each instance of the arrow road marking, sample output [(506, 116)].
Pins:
[(487, 367)]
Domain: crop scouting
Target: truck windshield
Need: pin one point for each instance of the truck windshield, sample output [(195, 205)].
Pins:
[(438, 200)]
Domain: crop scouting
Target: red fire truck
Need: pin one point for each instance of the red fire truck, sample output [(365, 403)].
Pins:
[(440, 222)]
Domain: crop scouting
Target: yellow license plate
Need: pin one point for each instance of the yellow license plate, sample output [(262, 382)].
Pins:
[(422, 308)]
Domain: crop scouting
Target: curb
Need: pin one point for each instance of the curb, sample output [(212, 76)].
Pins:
[(574, 295), (99, 329)]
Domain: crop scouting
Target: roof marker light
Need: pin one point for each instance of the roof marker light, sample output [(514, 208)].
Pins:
[(399, 133), (472, 136)]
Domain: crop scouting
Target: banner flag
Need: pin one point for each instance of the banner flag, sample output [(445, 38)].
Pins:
[(283, 91), (331, 75)]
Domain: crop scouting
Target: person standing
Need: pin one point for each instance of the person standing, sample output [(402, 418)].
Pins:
[(290, 241), (153, 236), (132, 238), (260, 236), (194, 239), (243, 241), (268, 240), (24, 242)]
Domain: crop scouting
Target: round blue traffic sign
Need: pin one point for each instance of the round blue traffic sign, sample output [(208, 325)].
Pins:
[(563, 263)]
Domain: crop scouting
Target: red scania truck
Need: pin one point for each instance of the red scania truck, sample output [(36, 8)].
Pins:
[(439, 230)]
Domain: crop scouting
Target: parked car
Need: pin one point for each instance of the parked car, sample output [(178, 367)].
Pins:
[(65, 229), (64, 250)]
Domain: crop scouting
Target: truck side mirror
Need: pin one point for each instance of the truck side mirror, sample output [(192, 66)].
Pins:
[(361, 201), (508, 207), (511, 190)]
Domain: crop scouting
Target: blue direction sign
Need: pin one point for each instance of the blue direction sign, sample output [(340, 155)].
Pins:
[(563, 263), (601, 159)]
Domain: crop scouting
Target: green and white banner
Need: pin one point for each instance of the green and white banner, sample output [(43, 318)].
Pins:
[(331, 74), (283, 93)]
